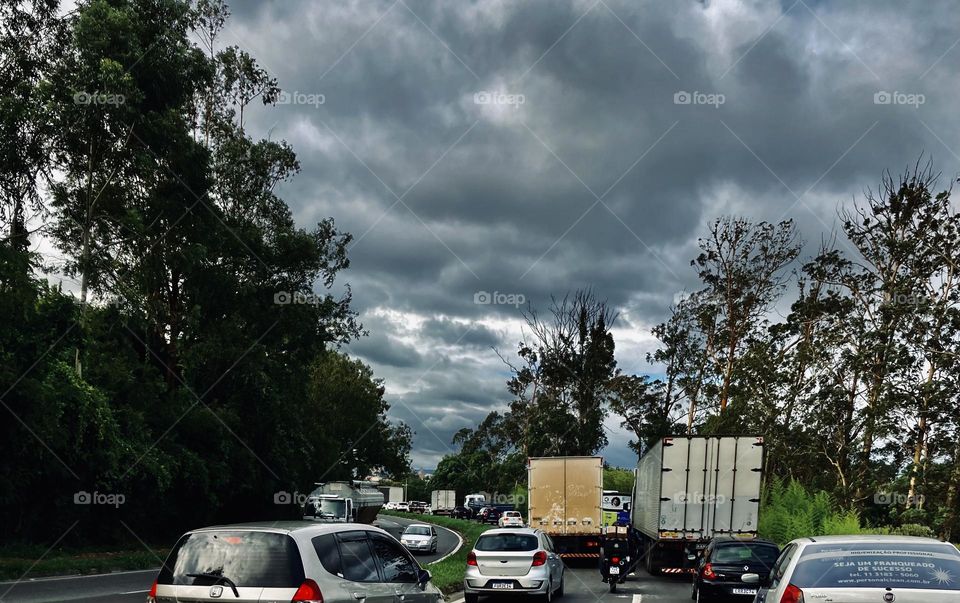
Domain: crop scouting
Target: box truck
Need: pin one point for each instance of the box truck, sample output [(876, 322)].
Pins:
[(690, 488), (392, 494), (615, 507), (564, 501), (343, 502), (443, 502)]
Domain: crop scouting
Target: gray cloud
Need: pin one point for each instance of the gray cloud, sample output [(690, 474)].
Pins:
[(503, 197)]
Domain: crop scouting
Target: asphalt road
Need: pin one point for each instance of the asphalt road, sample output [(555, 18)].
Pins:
[(132, 587), (583, 585)]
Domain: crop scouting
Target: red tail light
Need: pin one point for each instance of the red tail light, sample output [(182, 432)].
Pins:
[(152, 595), (471, 558), (539, 558), (615, 560), (708, 572), (792, 595), (308, 592)]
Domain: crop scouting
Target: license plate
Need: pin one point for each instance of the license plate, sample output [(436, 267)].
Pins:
[(744, 591), (614, 571), (502, 585)]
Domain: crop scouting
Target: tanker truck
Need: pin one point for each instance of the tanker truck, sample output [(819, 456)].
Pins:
[(343, 502)]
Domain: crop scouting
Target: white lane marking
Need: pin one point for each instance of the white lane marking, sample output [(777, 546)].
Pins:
[(135, 592), (77, 577), (637, 598), (455, 549)]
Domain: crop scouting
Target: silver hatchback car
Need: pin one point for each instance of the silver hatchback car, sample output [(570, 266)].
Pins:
[(513, 560), (291, 561), (862, 569)]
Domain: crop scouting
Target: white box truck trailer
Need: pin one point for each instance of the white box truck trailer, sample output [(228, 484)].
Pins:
[(690, 488), (443, 502)]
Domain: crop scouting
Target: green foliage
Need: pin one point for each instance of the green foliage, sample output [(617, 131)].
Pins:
[(788, 511), (617, 479)]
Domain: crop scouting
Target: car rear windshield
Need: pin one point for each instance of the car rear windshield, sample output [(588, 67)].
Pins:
[(864, 565), (746, 553), (507, 542), (247, 558), (417, 531)]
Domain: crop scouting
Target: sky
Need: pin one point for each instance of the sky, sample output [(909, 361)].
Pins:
[(489, 153)]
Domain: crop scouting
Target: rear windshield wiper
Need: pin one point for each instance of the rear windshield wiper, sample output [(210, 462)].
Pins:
[(217, 580)]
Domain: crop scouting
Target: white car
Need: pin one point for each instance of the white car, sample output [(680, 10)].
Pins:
[(510, 519), (511, 560), (390, 506), (419, 537), (402, 506), (862, 569)]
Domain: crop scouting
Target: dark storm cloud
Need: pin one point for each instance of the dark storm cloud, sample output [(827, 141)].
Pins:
[(502, 196)]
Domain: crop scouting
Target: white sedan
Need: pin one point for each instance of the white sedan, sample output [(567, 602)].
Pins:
[(510, 519)]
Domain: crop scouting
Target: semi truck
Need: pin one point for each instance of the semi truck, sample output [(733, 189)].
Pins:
[(565, 502), (343, 502), (691, 488), (391, 494), (443, 502)]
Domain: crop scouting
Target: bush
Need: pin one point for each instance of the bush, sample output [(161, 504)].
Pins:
[(788, 511), (914, 529)]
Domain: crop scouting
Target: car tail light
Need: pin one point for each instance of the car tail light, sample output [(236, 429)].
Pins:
[(708, 573), (792, 595), (471, 558), (308, 592), (152, 595), (539, 558)]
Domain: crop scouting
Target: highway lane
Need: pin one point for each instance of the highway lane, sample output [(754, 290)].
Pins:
[(132, 587), (583, 585)]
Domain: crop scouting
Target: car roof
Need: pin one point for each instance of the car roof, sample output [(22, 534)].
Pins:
[(865, 538), (418, 525), (495, 531), (290, 527), (724, 539)]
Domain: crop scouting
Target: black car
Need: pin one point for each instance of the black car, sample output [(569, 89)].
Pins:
[(723, 563), (461, 513), (489, 515)]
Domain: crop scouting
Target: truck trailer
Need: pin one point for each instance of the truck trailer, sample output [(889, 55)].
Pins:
[(391, 494), (343, 502), (691, 488), (443, 502), (564, 501)]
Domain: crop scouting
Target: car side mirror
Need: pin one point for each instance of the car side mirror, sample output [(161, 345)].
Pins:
[(423, 578), (750, 578)]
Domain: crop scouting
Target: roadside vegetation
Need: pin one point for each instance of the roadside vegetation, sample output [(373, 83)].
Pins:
[(448, 574), (25, 562)]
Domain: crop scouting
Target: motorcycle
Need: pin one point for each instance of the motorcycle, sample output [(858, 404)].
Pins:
[(617, 557)]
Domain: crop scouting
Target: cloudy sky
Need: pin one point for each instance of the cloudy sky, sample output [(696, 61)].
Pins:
[(531, 147)]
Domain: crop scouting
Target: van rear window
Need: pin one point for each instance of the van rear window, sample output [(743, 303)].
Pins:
[(248, 558), (866, 565)]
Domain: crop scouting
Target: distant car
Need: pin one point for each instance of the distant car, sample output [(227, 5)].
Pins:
[(514, 561), (905, 569), (403, 506), (461, 513), (417, 506), (390, 506), (720, 569), (489, 515), (419, 537), (510, 519), (291, 561)]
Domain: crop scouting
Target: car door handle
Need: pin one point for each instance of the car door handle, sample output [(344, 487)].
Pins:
[(359, 596)]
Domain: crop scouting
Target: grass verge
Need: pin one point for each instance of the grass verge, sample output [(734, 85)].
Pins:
[(448, 574), (18, 562)]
